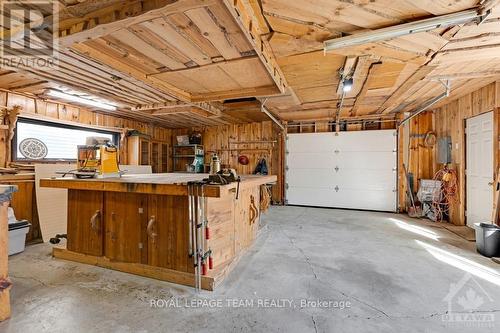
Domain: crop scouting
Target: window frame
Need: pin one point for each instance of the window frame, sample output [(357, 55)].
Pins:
[(115, 134)]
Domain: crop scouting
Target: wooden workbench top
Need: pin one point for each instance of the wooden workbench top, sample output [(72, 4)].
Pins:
[(158, 183)]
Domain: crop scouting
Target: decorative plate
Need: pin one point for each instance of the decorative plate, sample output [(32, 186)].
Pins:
[(33, 149)]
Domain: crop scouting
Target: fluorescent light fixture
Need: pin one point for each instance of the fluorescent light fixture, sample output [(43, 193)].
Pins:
[(404, 29), (78, 99), (347, 84)]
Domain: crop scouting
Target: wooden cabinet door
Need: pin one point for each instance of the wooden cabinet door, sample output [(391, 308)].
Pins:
[(168, 233), (155, 157), (164, 158), (126, 222), (85, 222), (145, 152)]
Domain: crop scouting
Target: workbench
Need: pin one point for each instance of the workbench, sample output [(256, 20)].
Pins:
[(108, 221)]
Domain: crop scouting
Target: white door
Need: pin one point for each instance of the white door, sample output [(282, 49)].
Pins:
[(479, 168), (350, 170)]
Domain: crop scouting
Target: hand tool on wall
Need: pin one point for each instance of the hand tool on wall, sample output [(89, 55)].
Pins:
[(199, 233)]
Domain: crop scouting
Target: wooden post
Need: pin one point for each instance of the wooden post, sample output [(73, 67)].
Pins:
[(5, 284)]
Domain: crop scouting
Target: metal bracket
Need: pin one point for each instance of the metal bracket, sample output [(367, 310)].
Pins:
[(270, 115)]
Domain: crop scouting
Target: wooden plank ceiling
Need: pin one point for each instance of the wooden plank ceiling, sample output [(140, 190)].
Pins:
[(208, 62)]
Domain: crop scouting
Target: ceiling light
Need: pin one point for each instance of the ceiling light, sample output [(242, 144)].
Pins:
[(78, 99), (347, 84), (405, 29)]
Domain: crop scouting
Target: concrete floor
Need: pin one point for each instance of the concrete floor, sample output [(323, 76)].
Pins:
[(393, 275)]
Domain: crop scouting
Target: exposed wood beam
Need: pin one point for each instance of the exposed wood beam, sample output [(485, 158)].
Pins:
[(238, 61), (391, 103), (239, 93), (361, 96), (132, 71), (118, 16), (163, 112), (160, 106), (209, 108), (248, 16)]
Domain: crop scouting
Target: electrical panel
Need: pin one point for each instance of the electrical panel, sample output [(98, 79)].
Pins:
[(444, 147)]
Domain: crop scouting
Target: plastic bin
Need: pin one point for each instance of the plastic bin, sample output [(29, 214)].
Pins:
[(17, 236), (487, 239)]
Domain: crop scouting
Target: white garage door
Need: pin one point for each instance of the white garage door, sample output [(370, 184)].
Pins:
[(355, 170)]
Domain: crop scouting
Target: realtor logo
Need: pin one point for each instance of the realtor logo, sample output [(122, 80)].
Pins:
[(468, 305), (29, 34)]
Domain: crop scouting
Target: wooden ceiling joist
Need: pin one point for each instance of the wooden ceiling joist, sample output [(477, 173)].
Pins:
[(238, 93), (248, 15), (175, 106), (390, 103), (103, 21), (130, 70), (180, 60)]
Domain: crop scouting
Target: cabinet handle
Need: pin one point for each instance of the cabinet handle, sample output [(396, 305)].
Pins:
[(254, 212), (93, 220), (149, 229)]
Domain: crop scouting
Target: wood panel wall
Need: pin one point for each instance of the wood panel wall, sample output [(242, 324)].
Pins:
[(47, 110), (417, 157), (254, 140), (24, 201), (450, 121)]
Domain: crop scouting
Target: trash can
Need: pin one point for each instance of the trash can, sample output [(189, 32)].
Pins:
[(17, 236), (488, 239)]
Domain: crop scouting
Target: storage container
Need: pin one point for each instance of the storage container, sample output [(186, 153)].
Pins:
[(487, 239), (17, 236)]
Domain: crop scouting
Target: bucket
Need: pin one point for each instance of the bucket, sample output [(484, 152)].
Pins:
[(487, 239)]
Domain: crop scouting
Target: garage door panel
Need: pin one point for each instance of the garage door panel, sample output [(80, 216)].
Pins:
[(366, 160), (366, 199), (310, 160), (329, 197), (352, 178), (310, 196), (361, 141), (305, 177), (365, 180), (345, 160), (352, 170), (323, 142)]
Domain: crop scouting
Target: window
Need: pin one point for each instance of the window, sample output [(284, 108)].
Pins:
[(56, 141)]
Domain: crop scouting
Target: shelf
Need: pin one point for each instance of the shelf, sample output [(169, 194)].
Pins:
[(198, 155), (182, 146)]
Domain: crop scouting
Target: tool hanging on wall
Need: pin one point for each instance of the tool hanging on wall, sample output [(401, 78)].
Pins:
[(261, 168), (199, 232)]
